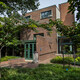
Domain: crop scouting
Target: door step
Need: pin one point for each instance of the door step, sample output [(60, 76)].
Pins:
[(29, 60)]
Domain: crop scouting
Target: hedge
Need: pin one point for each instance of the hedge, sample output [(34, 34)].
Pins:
[(67, 60)]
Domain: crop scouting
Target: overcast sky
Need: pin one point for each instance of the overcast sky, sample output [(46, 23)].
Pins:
[(46, 3)]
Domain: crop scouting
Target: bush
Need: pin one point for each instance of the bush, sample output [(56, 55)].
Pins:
[(6, 58), (59, 59), (68, 60), (77, 54), (77, 59), (42, 72)]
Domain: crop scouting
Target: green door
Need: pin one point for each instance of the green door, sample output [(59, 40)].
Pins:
[(29, 50)]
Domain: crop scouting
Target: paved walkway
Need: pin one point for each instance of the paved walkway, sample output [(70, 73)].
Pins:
[(24, 65), (47, 61), (27, 63), (30, 64)]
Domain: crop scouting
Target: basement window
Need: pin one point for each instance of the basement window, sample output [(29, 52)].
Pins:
[(46, 14)]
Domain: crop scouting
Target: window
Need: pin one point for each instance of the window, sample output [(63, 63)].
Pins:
[(40, 34), (64, 44), (46, 14), (27, 18)]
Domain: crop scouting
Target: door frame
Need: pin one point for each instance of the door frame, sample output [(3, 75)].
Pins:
[(25, 49)]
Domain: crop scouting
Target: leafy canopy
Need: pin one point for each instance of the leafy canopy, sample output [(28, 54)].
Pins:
[(72, 32), (19, 5), (75, 6), (11, 27)]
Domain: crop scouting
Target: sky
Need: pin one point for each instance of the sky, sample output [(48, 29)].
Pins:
[(46, 3)]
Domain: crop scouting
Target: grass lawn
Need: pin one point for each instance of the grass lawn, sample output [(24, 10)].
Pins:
[(43, 72)]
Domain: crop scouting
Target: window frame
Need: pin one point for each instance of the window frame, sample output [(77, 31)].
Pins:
[(40, 34), (28, 18), (48, 16)]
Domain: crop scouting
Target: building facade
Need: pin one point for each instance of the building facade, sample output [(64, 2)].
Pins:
[(46, 45)]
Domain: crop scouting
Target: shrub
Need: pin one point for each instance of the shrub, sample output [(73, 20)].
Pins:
[(6, 58), (77, 54), (42, 72), (59, 59), (68, 60), (77, 59)]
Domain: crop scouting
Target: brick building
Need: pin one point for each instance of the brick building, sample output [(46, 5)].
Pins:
[(46, 45)]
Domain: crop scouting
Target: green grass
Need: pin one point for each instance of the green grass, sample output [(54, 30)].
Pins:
[(43, 72), (6, 58)]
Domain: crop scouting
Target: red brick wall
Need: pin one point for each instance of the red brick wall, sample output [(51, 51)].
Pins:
[(67, 18), (12, 62), (48, 43), (45, 49), (35, 15), (29, 34)]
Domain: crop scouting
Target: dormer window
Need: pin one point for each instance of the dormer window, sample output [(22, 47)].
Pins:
[(46, 14), (27, 18)]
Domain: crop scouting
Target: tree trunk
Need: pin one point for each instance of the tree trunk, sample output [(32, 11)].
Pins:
[(74, 54), (13, 52), (6, 52), (62, 51), (0, 62), (0, 55), (63, 60)]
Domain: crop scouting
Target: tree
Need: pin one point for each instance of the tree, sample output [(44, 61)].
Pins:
[(75, 6), (3, 7), (9, 6), (19, 5), (15, 22), (10, 27), (70, 32)]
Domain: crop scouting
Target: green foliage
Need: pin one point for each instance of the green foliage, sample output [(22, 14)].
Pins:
[(77, 59), (19, 5), (43, 72), (66, 48), (78, 50), (59, 59), (75, 6), (78, 54), (70, 32), (3, 7), (8, 32), (6, 58), (67, 60)]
